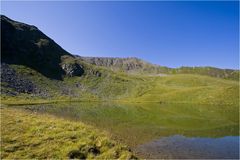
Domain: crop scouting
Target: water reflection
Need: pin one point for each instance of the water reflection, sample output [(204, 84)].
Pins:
[(135, 124), (183, 148)]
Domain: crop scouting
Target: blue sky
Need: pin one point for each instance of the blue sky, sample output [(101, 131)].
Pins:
[(171, 33)]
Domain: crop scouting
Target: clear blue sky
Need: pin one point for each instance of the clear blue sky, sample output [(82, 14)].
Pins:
[(166, 33)]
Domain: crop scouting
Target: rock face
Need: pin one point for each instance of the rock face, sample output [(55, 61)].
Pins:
[(125, 64), (135, 65), (24, 44), (72, 69)]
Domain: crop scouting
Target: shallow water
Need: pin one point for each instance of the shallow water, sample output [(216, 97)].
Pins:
[(195, 148), (140, 124)]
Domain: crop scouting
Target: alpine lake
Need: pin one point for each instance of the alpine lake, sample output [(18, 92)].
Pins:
[(158, 130)]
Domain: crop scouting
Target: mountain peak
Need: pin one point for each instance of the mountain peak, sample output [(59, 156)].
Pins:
[(17, 25)]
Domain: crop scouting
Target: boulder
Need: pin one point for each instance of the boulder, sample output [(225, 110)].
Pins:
[(72, 69)]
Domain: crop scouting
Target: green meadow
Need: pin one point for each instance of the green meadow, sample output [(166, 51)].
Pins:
[(27, 135)]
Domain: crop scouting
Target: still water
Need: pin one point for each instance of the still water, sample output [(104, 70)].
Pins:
[(156, 130)]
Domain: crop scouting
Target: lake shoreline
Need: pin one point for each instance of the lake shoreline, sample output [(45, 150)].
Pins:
[(137, 124), (10, 102), (64, 138)]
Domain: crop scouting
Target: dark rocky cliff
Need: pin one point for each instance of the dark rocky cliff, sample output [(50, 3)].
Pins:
[(24, 44)]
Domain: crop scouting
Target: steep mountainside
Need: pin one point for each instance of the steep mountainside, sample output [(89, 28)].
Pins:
[(35, 68), (26, 45)]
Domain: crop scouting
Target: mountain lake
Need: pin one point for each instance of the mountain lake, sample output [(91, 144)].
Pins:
[(154, 130)]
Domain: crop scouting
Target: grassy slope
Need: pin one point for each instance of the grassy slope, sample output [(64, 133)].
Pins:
[(183, 88), (26, 135), (192, 89)]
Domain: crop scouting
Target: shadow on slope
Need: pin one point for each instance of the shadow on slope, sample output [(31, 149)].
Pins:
[(24, 44)]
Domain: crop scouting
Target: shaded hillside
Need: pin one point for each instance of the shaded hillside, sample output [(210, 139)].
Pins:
[(24, 44), (136, 65)]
